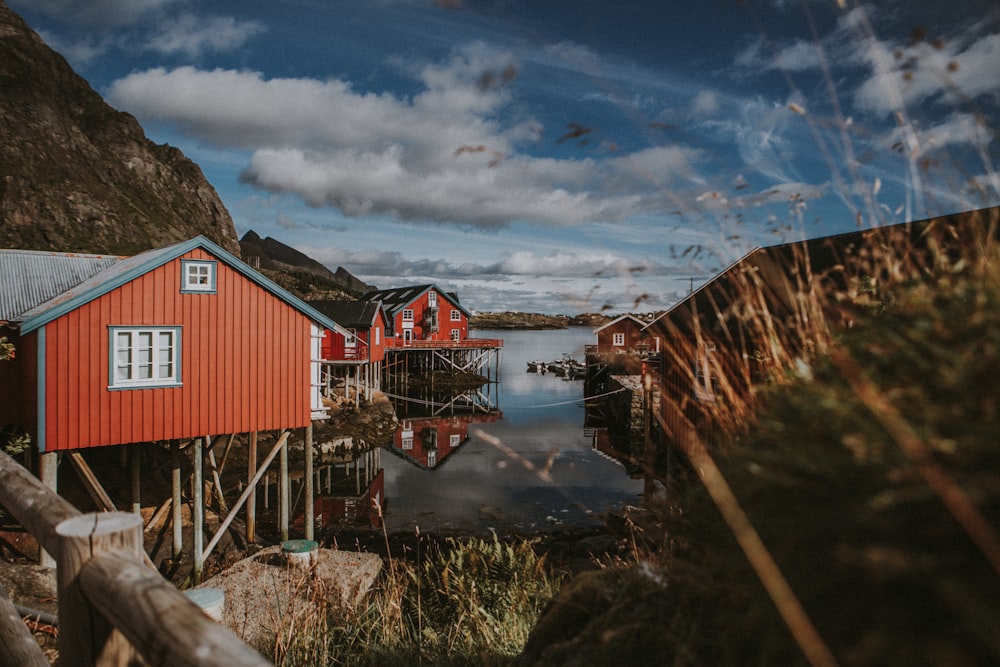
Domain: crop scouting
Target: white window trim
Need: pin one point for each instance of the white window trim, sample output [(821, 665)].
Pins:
[(317, 408), (456, 334), (432, 299), (454, 440), (618, 340), (456, 316), (407, 314), (173, 379), (191, 282)]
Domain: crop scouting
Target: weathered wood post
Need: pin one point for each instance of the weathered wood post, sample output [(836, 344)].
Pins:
[(135, 476), (252, 498), (310, 514), (17, 646), (283, 491), (48, 471), (198, 511), (85, 637), (177, 545)]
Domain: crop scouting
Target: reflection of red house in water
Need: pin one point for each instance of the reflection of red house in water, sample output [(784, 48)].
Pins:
[(429, 441), (362, 508), (350, 491)]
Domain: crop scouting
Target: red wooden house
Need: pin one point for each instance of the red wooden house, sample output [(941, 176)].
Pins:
[(422, 313), (354, 354), (175, 343), (623, 334)]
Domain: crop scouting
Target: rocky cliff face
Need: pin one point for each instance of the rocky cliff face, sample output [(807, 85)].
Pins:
[(299, 273), (77, 175)]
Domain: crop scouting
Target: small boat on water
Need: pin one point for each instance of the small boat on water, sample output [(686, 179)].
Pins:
[(566, 368)]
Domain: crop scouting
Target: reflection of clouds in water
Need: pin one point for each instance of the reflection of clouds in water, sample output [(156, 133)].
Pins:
[(481, 485)]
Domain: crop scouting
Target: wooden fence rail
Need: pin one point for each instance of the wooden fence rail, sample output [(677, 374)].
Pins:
[(111, 605)]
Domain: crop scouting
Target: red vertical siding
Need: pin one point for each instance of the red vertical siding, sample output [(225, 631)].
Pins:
[(244, 363)]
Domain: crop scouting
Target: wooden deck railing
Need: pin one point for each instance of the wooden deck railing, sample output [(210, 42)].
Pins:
[(467, 343), (112, 607)]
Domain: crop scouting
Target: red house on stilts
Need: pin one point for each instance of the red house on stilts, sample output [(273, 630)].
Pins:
[(178, 344)]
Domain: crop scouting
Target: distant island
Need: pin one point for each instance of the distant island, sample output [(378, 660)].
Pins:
[(513, 320)]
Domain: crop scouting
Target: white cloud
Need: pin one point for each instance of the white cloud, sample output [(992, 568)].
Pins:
[(705, 103), (191, 35), (441, 155), (912, 75)]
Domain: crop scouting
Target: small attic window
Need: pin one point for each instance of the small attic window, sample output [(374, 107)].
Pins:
[(197, 276)]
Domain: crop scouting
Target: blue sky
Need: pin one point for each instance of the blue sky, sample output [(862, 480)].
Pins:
[(557, 157)]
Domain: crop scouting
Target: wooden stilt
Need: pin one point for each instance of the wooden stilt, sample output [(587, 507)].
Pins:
[(134, 464), (48, 466), (198, 511), (178, 515), (284, 491), (252, 498), (310, 491)]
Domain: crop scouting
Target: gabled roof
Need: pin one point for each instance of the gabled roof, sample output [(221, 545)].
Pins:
[(396, 299), (351, 314), (620, 318), (126, 269), (31, 277)]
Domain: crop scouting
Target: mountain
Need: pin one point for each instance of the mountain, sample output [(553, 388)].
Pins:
[(77, 175), (299, 273)]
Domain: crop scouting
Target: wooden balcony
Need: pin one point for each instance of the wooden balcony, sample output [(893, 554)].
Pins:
[(466, 343)]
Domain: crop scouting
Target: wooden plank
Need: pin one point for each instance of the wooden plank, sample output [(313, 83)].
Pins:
[(247, 492), (90, 481)]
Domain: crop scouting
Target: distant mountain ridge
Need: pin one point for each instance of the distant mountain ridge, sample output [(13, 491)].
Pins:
[(298, 272), (77, 175)]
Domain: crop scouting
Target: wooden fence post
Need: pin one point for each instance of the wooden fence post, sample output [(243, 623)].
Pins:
[(17, 646), (85, 637)]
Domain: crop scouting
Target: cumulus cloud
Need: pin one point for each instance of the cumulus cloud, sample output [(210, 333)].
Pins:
[(441, 155)]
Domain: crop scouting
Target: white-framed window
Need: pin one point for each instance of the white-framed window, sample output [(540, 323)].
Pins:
[(198, 276), (618, 340), (351, 339), (454, 440), (432, 299), (456, 334), (144, 357), (406, 443), (456, 316), (408, 315), (432, 458)]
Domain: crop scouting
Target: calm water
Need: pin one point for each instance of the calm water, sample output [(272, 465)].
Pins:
[(496, 477)]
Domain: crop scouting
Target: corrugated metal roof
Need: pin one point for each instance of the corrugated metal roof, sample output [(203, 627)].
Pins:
[(29, 278), (118, 271)]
